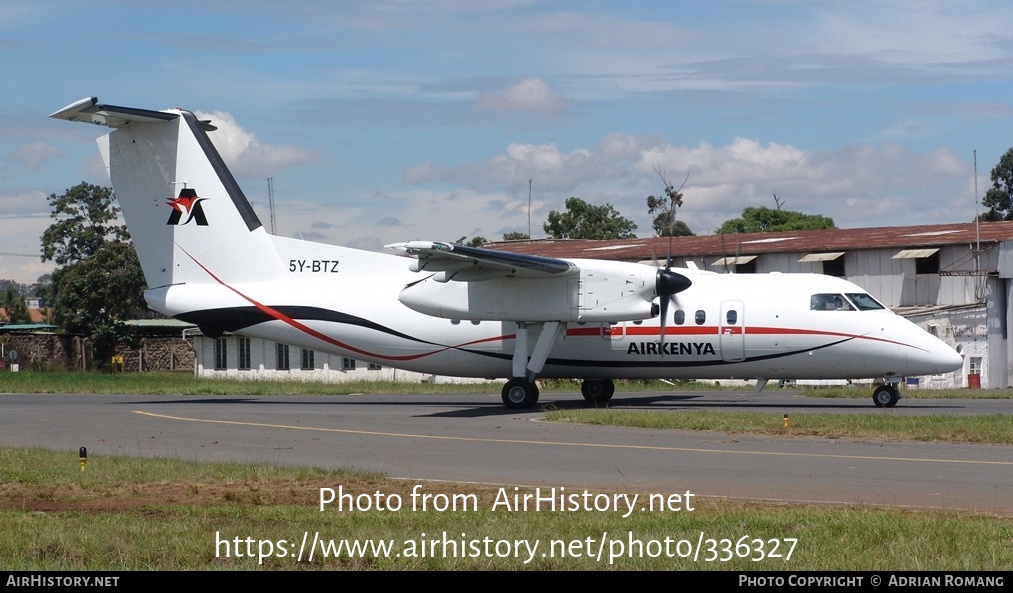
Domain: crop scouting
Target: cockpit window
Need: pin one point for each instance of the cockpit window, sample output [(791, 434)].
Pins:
[(829, 302), (864, 302)]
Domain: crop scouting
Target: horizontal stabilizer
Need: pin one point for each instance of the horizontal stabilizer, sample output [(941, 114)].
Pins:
[(89, 110)]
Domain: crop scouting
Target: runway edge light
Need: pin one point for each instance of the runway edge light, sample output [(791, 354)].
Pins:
[(82, 455)]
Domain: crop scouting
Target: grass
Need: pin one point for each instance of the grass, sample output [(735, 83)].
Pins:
[(162, 514), (996, 429), (865, 392), (184, 383), (144, 514)]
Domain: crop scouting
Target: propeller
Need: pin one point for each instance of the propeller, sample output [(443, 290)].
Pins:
[(667, 285)]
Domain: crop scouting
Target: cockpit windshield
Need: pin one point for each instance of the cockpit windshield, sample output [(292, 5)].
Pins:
[(839, 302), (829, 302), (864, 302)]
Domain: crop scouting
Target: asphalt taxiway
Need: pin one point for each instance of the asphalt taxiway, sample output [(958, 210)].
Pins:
[(473, 438)]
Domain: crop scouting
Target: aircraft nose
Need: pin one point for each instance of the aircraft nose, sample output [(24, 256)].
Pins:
[(949, 358), (938, 359)]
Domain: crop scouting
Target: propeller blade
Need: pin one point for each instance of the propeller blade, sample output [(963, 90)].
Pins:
[(668, 283), (664, 320)]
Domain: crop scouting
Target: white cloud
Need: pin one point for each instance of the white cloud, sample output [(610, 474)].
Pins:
[(247, 156), (531, 95), (25, 204), (926, 33), (21, 235), (862, 185), (30, 156)]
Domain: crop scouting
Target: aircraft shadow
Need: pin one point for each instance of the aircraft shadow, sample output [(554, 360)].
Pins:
[(469, 408)]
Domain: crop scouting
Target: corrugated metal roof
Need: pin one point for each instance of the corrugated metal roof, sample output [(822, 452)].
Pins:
[(21, 327), (920, 236)]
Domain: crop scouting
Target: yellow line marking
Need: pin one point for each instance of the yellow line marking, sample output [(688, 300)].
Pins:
[(565, 444)]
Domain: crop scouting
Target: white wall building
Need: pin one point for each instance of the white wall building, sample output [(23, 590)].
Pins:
[(240, 357)]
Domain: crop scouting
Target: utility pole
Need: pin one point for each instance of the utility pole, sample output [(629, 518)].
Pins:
[(270, 204)]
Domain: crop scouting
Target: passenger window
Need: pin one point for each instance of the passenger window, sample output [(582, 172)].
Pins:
[(701, 317), (731, 317), (680, 317)]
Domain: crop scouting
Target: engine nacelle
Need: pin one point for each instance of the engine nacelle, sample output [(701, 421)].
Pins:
[(599, 291)]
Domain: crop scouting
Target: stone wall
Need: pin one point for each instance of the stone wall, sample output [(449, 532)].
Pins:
[(60, 352), (45, 351), (158, 354)]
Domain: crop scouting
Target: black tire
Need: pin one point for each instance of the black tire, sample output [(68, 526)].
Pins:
[(519, 394), (598, 391), (885, 396)]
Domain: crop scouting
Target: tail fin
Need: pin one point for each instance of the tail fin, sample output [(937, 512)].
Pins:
[(187, 217)]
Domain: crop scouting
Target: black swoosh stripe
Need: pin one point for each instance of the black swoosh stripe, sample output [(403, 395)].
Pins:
[(233, 319)]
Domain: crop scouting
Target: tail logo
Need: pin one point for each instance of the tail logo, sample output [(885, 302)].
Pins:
[(187, 204)]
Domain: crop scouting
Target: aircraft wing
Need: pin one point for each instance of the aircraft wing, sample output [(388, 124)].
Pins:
[(466, 264)]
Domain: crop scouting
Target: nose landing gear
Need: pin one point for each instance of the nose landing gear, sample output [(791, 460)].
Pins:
[(886, 396)]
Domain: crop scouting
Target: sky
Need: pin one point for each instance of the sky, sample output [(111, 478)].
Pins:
[(391, 120)]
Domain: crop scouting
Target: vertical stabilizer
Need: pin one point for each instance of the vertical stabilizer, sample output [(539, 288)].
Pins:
[(187, 216)]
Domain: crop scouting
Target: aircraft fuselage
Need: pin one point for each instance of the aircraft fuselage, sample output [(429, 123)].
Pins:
[(724, 326)]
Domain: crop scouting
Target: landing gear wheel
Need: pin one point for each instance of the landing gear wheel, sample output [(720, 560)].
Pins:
[(518, 393), (598, 391), (885, 396)]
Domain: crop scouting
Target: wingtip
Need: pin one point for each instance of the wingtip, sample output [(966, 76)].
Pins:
[(75, 107)]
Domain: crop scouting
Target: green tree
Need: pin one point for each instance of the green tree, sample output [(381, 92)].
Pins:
[(763, 220), (665, 223), (99, 282), (15, 307), (476, 241), (518, 236), (999, 198), (96, 295), (665, 228), (43, 289), (586, 221), (85, 218)]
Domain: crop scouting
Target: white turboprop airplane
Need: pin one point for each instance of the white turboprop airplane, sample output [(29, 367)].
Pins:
[(462, 311)]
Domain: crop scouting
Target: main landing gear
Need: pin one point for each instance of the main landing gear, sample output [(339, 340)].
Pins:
[(886, 396), (519, 393), (598, 391)]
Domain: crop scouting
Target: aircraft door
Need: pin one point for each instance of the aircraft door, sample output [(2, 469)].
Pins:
[(731, 330)]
